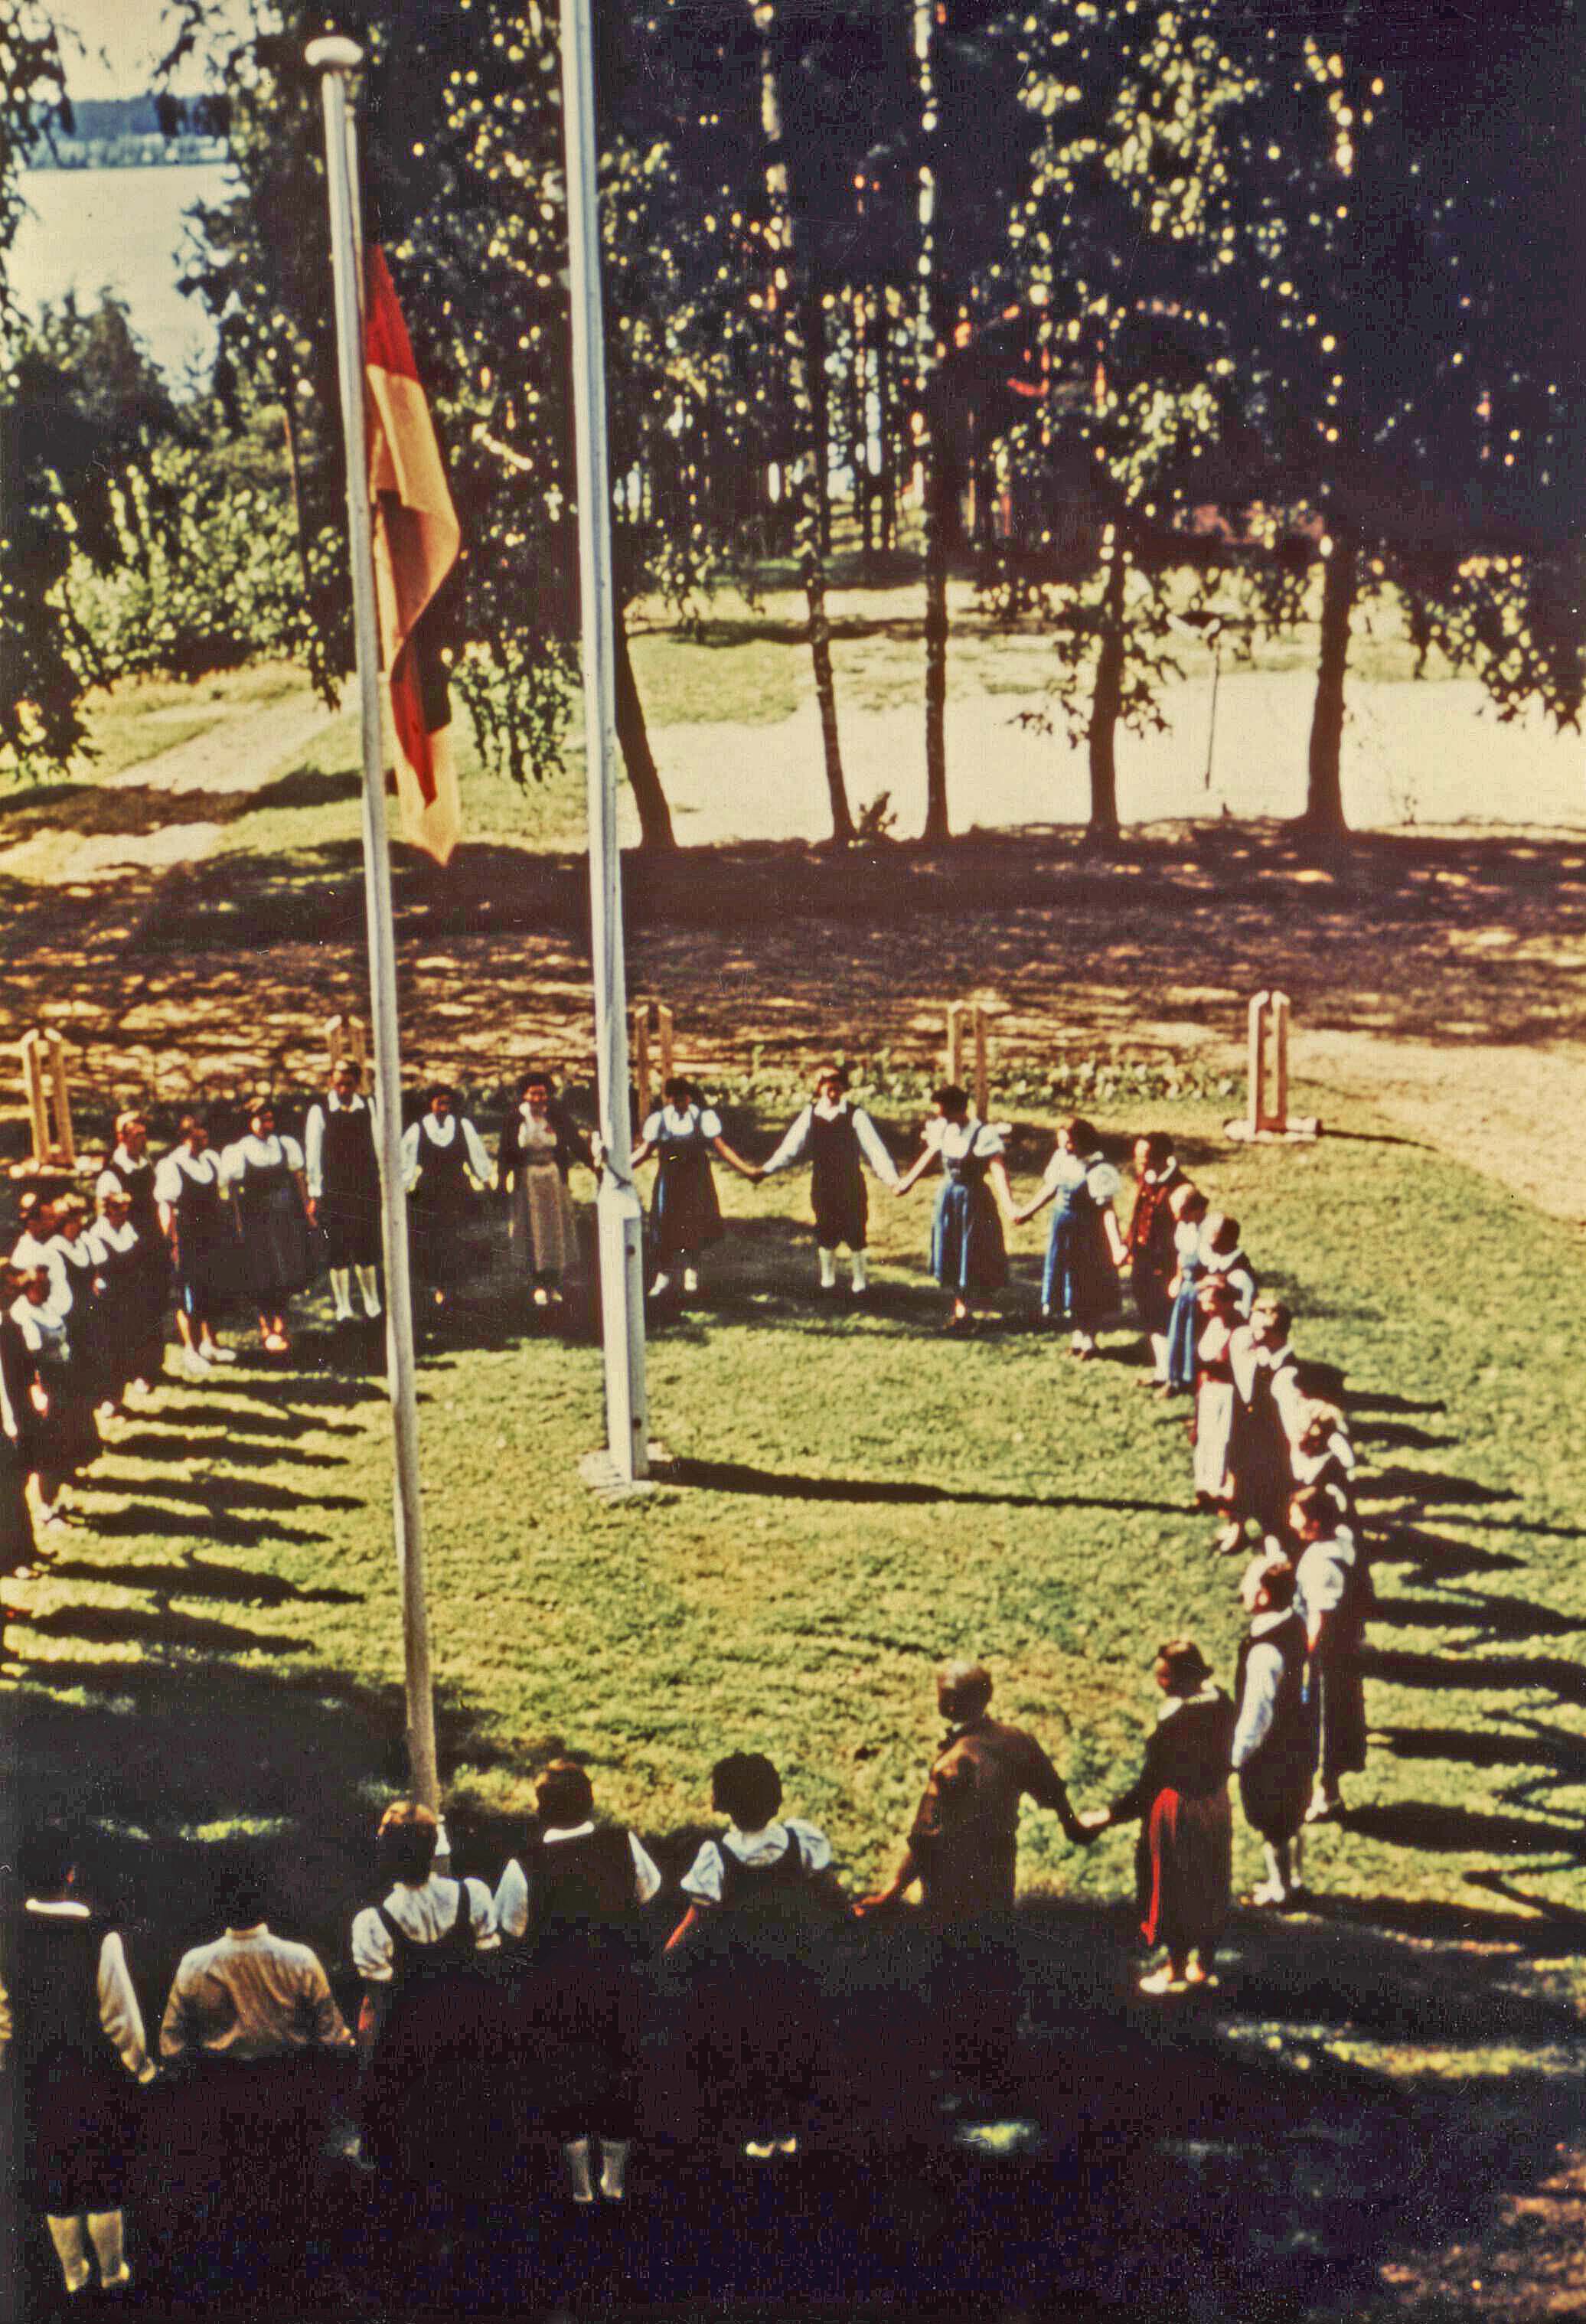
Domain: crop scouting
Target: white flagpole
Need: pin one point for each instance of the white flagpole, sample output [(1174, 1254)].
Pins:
[(626, 1463), (337, 58)]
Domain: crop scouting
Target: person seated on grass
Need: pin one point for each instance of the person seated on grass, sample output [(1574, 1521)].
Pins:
[(1333, 1597), (1274, 1748), (76, 2052), (969, 1258), (425, 1919), (1183, 1858), (685, 1215), (841, 1140), (1085, 1248), (571, 1907), (759, 1898)]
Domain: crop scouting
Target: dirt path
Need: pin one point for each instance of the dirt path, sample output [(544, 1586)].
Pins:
[(241, 752)]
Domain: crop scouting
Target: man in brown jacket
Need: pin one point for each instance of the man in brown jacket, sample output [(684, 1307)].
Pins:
[(963, 1845)]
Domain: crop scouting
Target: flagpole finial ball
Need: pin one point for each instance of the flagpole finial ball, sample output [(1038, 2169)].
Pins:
[(334, 53)]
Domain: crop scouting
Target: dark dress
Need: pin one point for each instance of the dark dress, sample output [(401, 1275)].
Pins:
[(143, 1212), (581, 1991), (837, 1190), (75, 2100), (685, 1215), (1152, 1259), (1079, 1285), (64, 1438), (1184, 1857), (437, 2109), (16, 1524), (758, 2034), (272, 1228), (1274, 1784), (348, 1211), (205, 1245), (1260, 1460), (968, 1255), (437, 1208), (127, 1340)]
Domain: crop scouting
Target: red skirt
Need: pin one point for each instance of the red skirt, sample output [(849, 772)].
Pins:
[(1185, 1869)]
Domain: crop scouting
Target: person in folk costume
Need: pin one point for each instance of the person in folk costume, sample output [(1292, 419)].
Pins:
[(18, 1377), (571, 1907), (539, 1147), (192, 1195), (130, 1164), (129, 1334), (270, 1204), (1214, 1405), (1153, 1259), (1221, 1250), (35, 1245), (1085, 1249), (425, 1920), (1188, 1207), (759, 1898), (342, 1174), (1274, 1749), (1333, 1596), (969, 1258), (1268, 1408), (77, 2053), (444, 1166), (69, 1258), (1183, 1859), (65, 1437), (1323, 1460), (685, 1215), (840, 1139)]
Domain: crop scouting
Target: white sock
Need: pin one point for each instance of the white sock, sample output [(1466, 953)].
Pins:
[(71, 2249), (829, 1259), (1277, 1872), (104, 2227), (614, 2168), (861, 1270), (369, 1284), (576, 2151), (1081, 1342), (1160, 1353), (341, 1284)]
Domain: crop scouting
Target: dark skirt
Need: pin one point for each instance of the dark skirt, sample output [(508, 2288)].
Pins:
[(685, 1215), (16, 1524), (66, 1438), (967, 1251), (1079, 1285), (1335, 1677), (78, 2122), (438, 1214), (1149, 1287), (276, 1256), (583, 2014), (207, 1266), (1183, 1869), (756, 2038), (348, 1218)]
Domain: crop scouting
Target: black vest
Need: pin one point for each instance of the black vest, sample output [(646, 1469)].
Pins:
[(833, 1154), (578, 1885), (51, 1977), (347, 1162)]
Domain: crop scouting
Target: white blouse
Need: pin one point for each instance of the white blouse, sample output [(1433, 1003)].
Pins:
[(679, 1125), (437, 1133), (864, 1130), (204, 1168), (954, 1139), (703, 1880), (44, 1328), (251, 1153), (1066, 1171), (424, 1913)]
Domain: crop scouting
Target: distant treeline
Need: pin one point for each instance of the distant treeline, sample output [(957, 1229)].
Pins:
[(132, 132)]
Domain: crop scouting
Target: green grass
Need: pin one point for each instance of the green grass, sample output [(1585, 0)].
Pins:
[(863, 1497)]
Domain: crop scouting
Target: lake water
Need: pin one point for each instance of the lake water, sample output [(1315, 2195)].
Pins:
[(122, 229)]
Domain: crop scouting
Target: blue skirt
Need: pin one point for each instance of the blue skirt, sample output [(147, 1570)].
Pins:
[(1184, 1329), (1079, 1285), (967, 1253)]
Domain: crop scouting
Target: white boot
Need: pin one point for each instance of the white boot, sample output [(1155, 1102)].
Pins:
[(369, 1284), (341, 1285), (860, 1273), (1159, 1357), (829, 1259), (71, 2249), (614, 2168), (106, 2229), (576, 2151), (1278, 1886)]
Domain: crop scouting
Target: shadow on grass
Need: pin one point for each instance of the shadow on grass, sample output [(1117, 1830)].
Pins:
[(741, 1477), (1510, 1618), (1436, 1556), (200, 1579), (1548, 1747), (214, 1444), (1445, 1831), (150, 1519), (1509, 1674), (161, 1627)]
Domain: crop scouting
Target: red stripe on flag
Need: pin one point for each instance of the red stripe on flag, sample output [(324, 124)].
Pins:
[(386, 344)]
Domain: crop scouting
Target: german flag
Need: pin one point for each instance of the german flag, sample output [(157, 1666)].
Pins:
[(416, 540)]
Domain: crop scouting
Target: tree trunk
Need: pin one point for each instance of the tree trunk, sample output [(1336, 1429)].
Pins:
[(934, 486), (288, 386), (1323, 814), (802, 343), (655, 817), (887, 481), (1106, 705)]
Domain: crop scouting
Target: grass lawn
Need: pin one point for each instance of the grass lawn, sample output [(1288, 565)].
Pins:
[(855, 1496)]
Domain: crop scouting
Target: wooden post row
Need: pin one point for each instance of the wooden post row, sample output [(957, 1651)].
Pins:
[(47, 1092), (645, 1012), (979, 1017), (348, 1037)]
